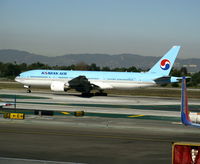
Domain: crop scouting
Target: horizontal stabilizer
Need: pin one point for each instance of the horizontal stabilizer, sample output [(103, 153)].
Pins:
[(167, 79), (163, 80)]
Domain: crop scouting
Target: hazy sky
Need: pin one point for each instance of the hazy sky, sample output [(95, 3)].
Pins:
[(58, 27)]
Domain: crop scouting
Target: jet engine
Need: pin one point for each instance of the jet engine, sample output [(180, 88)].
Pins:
[(59, 86)]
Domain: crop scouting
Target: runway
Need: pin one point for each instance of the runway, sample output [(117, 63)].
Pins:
[(94, 139)]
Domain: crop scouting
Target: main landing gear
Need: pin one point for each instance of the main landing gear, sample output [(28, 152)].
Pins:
[(100, 94), (28, 88), (88, 94)]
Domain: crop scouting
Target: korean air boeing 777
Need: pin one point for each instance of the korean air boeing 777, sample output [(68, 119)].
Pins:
[(86, 81)]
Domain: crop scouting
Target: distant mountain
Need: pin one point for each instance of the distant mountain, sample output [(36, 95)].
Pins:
[(20, 56), (121, 60)]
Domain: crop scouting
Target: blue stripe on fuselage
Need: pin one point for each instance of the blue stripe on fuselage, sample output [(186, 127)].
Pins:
[(93, 75)]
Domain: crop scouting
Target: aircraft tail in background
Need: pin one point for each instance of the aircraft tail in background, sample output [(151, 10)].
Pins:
[(186, 116), (164, 65)]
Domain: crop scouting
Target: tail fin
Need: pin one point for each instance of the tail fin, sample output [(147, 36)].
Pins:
[(184, 104), (185, 118), (164, 65)]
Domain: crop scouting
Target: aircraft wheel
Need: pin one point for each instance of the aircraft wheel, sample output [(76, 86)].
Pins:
[(28, 91), (97, 94), (104, 94), (100, 94), (87, 94)]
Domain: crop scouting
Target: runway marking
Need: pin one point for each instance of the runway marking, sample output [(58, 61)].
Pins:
[(136, 116), (10, 96), (86, 135), (177, 123), (6, 159), (65, 113), (143, 107)]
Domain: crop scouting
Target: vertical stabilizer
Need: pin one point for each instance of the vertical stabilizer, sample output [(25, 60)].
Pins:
[(184, 104), (164, 65), (185, 114)]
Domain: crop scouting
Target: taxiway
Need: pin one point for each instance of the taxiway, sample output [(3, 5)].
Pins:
[(92, 139)]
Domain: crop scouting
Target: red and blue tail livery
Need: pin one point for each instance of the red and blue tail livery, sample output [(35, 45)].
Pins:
[(187, 118), (165, 64)]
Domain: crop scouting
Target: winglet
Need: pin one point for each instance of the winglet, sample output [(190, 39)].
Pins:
[(164, 65)]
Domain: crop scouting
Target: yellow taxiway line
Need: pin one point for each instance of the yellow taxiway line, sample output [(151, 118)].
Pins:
[(136, 116)]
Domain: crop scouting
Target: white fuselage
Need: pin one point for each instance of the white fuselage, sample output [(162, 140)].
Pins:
[(106, 84)]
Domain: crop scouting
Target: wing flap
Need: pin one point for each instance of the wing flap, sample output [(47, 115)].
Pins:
[(102, 85)]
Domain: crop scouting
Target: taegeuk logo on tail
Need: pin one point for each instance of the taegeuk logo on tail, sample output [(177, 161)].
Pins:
[(165, 64)]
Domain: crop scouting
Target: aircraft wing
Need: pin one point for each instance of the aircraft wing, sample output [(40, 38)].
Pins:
[(82, 84), (185, 114), (102, 85)]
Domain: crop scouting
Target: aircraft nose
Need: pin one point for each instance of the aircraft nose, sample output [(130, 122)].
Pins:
[(17, 79)]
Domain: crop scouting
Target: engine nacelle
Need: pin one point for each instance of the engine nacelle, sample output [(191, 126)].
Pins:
[(59, 86), (195, 117)]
